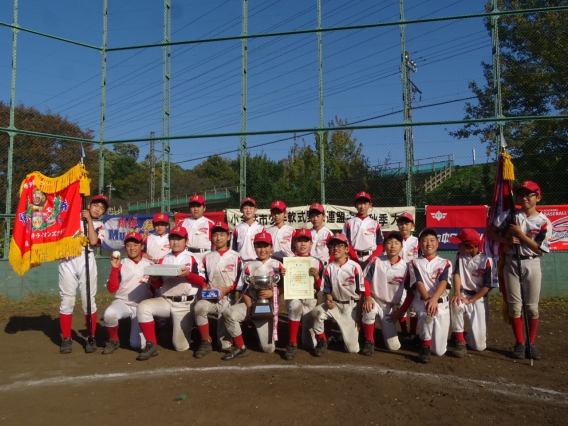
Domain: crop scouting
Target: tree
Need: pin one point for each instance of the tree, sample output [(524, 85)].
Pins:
[(127, 150), (217, 172)]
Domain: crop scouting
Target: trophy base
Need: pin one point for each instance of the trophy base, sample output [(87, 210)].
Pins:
[(261, 311)]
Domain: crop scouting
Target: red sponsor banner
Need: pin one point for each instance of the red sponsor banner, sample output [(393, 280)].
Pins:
[(558, 215), (450, 220), (214, 216)]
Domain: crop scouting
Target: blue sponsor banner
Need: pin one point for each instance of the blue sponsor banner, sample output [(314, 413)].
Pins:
[(116, 228)]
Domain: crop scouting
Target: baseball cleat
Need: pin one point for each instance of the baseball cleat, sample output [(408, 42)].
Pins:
[(236, 353), (90, 347), (424, 354), (66, 346), (290, 351), (204, 348), (368, 349), (519, 351), (111, 346), (320, 347), (535, 354), (149, 351), (460, 351)]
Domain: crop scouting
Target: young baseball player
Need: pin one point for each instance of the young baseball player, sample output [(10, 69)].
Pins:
[(301, 309), (198, 227), (384, 289), (427, 285), (72, 275), (282, 234), (158, 245), (343, 286), (243, 234), (267, 329), (320, 233), (532, 231), (130, 286), (222, 270), (177, 300), (473, 278), (363, 233)]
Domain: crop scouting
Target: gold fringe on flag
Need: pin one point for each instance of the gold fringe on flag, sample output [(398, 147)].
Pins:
[(52, 185), (508, 168)]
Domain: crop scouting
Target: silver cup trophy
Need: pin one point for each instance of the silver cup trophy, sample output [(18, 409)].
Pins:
[(262, 308)]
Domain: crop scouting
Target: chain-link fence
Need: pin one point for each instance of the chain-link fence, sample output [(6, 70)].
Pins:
[(302, 102)]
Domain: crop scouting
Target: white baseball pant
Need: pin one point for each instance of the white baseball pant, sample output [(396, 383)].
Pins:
[(119, 310), (434, 328), (345, 314), (234, 315), (382, 309), (477, 313), (206, 307), (181, 313), (532, 277), (71, 276), (301, 310)]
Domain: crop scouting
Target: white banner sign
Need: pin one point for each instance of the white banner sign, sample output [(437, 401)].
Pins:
[(336, 216)]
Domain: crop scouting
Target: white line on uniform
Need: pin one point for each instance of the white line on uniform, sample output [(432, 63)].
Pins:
[(504, 388)]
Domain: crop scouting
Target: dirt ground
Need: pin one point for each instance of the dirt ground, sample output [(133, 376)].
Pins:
[(39, 386)]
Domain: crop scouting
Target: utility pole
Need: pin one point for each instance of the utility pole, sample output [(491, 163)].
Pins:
[(110, 189), (152, 166), (412, 89)]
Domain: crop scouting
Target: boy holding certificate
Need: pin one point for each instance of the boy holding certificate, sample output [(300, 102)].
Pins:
[(300, 309)]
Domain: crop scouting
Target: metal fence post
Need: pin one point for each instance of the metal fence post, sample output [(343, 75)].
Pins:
[(321, 122), (405, 100), (496, 74), (243, 165), (166, 105), (103, 102)]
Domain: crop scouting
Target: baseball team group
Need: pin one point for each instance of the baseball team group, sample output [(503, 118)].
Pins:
[(362, 275)]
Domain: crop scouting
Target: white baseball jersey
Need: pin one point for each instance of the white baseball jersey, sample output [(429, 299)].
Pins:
[(343, 282), (222, 269), (430, 273), (180, 286), (409, 248), (243, 240), (198, 232), (282, 241), (157, 246), (475, 272), (363, 233), (272, 266), (538, 228), (319, 247), (134, 285), (99, 227), (386, 280)]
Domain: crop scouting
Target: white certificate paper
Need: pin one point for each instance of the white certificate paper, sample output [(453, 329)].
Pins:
[(298, 284)]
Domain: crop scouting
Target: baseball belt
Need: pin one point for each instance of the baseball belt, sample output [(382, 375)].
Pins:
[(363, 253), (444, 299), (469, 292), (522, 257), (197, 250), (180, 298)]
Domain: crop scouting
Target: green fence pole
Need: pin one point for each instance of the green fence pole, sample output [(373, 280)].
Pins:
[(166, 105), (498, 105), (103, 102), (321, 122), (243, 152), (406, 104)]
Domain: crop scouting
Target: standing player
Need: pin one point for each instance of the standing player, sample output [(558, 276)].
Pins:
[(363, 232), (131, 286), (158, 245), (198, 227), (343, 286), (532, 231), (243, 234), (301, 309), (473, 278), (320, 233), (72, 275), (222, 269), (282, 234), (177, 300)]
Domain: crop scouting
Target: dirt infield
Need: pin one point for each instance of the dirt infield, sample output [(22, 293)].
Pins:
[(39, 386)]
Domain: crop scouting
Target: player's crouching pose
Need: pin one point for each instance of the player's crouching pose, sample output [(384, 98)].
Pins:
[(72, 275), (343, 287), (384, 289), (301, 309), (177, 301), (131, 286), (473, 278), (267, 328), (222, 269)]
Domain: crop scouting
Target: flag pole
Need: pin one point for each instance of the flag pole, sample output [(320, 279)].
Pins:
[(90, 337)]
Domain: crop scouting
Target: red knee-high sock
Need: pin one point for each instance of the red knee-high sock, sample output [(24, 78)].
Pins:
[(65, 321), (459, 336), (517, 326), (321, 336), (293, 327), (113, 332), (204, 331), (93, 320), (427, 343), (413, 324), (402, 323), (238, 340), (369, 332), (149, 331), (533, 324)]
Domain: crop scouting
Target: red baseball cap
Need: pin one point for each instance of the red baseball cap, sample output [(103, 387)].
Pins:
[(278, 205), (338, 237), (405, 215), (363, 195), (102, 199), (318, 207), (134, 236), (197, 199), (248, 200), (467, 236), (531, 186), (220, 226), (161, 217), (303, 232), (263, 237), (180, 231)]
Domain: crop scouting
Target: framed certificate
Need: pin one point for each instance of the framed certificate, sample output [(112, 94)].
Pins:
[(298, 284)]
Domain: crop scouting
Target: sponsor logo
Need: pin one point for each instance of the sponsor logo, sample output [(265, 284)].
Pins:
[(228, 268), (439, 215), (370, 231), (478, 272), (348, 281)]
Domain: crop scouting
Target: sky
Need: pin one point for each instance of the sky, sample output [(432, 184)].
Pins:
[(361, 71)]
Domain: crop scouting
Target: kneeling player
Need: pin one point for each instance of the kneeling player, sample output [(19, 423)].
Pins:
[(473, 278), (343, 286), (131, 286)]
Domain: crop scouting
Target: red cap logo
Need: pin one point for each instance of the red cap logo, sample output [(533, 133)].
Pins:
[(160, 217), (134, 236), (220, 226), (467, 236), (180, 231), (263, 237), (278, 205), (362, 195), (197, 199), (248, 200), (405, 215), (317, 207), (303, 232)]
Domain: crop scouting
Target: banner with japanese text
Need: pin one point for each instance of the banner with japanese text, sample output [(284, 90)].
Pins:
[(118, 226), (450, 220)]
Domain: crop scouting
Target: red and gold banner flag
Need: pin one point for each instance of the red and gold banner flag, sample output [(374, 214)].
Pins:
[(48, 223)]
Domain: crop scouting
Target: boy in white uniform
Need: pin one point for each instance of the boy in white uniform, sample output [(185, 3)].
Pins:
[(473, 279), (131, 286), (320, 233), (72, 275), (158, 244), (282, 234), (243, 235), (198, 228)]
